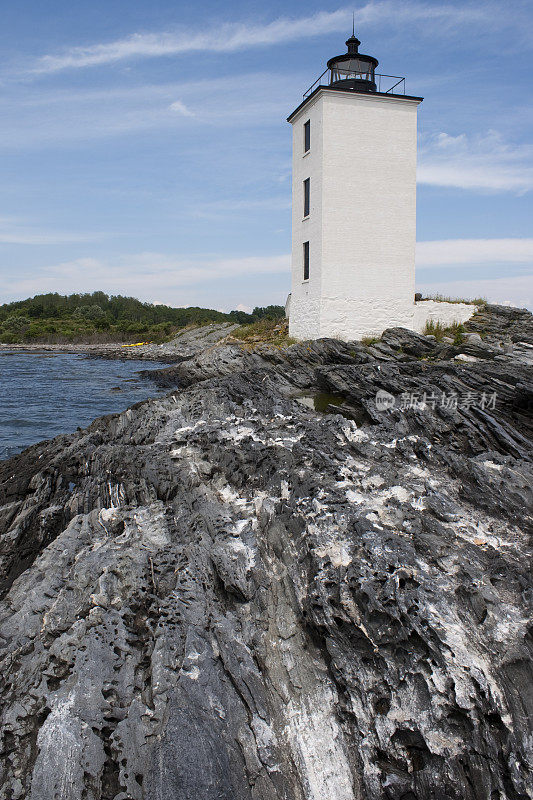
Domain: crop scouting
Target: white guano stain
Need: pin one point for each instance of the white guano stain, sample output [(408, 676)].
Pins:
[(316, 740)]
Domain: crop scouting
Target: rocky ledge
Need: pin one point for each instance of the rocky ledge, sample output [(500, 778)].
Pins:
[(228, 594), (188, 342)]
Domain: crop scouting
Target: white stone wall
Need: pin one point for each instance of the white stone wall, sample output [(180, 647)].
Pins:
[(369, 213), (361, 228), (304, 318), (362, 222), (435, 310)]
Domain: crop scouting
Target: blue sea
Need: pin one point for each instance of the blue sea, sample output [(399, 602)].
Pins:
[(45, 394)]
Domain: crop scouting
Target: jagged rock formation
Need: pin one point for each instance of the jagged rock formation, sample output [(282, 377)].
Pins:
[(188, 342), (225, 594)]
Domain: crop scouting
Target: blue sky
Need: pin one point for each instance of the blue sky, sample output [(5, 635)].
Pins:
[(144, 148)]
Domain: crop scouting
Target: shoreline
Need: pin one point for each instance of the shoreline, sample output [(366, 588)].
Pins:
[(186, 344), (110, 351)]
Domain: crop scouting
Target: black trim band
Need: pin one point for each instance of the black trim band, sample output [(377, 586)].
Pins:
[(351, 91)]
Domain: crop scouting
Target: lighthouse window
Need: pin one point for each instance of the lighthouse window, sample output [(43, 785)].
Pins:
[(307, 136), (306, 261), (307, 195)]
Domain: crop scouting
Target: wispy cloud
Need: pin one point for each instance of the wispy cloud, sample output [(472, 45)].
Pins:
[(41, 118), (181, 108), (473, 251), (227, 38), (487, 163), (15, 231), (144, 275), (516, 291), (184, 280), (231, 37), (225, 208)]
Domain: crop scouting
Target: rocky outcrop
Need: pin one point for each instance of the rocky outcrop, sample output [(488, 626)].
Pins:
[(190, 341), (186, 343), (503, 322), (501, 342), (225, 594)]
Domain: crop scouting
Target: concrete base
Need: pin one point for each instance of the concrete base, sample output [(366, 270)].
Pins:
[(436, 311), (361, 318)]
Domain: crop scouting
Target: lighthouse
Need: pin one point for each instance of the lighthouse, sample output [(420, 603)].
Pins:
[(353, 202)]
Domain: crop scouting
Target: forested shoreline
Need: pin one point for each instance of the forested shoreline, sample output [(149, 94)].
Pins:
[(98, 317)]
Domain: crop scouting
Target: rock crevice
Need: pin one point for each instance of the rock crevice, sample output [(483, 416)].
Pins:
[(223, 593)]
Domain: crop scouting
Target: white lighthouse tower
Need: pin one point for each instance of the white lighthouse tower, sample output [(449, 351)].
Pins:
[(353, 202)]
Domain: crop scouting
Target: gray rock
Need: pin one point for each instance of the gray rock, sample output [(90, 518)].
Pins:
[(414, 344), (224, 594), (479, 350), (499, 323), (187, 344)]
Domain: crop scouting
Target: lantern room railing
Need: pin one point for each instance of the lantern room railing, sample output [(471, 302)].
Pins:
[(384, 83)]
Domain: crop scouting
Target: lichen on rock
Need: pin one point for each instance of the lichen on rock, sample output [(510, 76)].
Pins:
[(224, 594)]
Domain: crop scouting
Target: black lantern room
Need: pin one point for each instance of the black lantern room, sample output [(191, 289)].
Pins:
[(353, 70)]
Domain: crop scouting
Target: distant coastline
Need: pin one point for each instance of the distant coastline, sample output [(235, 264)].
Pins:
[(102, 323), (115, 350)]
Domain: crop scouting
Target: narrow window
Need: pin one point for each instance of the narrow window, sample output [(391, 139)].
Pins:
[(307, 190), (306, 261), (307, 136)]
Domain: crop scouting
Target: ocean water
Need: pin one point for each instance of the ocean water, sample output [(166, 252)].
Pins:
[(44, 394)]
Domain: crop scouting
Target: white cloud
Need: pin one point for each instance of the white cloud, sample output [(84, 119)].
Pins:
[(473, 251), (142, 275), (37, 118), (15, 231), (231, 37), (516, 291), (181, 108), (226, 38), (486, 162)]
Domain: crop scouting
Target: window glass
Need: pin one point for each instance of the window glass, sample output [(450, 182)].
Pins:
[(307, 136), (307, 196), (306, 261)]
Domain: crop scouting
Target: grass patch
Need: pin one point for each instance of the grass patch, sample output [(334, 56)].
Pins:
[(441, 298), (368, 341), (265, 331), (437, 329)]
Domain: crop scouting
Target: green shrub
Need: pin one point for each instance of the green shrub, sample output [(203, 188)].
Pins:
[(454, 331), (16, 324), (435, 329), (94, 312), (265, 331), (100, 317)]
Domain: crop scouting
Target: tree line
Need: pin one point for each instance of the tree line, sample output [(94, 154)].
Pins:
[(98, 317)]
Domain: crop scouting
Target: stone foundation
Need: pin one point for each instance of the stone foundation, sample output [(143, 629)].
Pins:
[(357, 319), (436, 311)]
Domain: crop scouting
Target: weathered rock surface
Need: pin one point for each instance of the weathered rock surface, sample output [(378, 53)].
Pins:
[(223, 594), (189, 342), (185, 344), (497, 322)]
